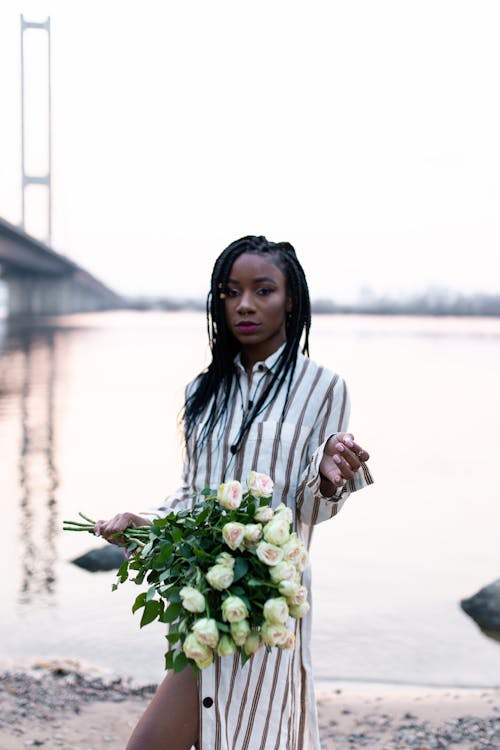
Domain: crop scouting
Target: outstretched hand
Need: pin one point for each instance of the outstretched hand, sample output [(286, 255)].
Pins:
[(342, 457), (114, 526)]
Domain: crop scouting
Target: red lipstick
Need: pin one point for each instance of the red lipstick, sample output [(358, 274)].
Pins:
[(247, 326)]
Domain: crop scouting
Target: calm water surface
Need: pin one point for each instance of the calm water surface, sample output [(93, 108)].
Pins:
[(88, 421)]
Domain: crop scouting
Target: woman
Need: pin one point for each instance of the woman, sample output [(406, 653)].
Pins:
[(262, 404)]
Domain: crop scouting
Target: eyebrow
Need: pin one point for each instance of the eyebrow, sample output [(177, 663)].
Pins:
[(257, 280)]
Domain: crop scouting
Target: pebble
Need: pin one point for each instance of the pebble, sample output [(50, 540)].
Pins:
[(40, 692)]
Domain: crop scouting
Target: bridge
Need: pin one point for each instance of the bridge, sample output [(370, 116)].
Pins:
[(43, 282)]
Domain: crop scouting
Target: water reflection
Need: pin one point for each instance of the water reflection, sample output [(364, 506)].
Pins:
[(29, 376)]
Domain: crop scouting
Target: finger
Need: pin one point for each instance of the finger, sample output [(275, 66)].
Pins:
[(333, 475), (349, 457), (344, 468), (349, 441)]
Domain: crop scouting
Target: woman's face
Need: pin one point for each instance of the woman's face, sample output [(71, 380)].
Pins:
[(256, 306)]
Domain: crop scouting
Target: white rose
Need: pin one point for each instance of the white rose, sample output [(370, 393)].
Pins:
[(264, 514), (284, 512), (259, 485), (253, 535), (192, 599), (299, 610), (226, 646), (196, 650), (206, 631), (303, 561), (293, 549), (274, 634), (225, 559), (252, 643), (234, 609), (230, 495), (220, 577), (240, 631), (288, 588), (288, 641), (277, 531), (276, 610), (299, 597), (283, 571), (233, 534), (269, 553), (204, 663)]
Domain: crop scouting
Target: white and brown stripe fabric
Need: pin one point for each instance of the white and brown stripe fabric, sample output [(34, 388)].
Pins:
[(269, 703)]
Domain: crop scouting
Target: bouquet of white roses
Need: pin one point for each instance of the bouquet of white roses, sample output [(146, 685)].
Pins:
[(226, 575)]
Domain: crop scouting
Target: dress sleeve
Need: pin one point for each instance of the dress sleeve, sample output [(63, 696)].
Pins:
[(333, 417)]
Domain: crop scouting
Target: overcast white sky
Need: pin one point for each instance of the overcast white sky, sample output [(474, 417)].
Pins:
[(365, 133)]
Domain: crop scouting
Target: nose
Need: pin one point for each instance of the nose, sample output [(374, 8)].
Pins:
[(245, 303)]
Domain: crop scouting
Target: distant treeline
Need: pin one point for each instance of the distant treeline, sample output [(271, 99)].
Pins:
[(427, 303)]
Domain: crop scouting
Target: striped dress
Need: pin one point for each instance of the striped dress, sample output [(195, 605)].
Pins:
[(269, 703)]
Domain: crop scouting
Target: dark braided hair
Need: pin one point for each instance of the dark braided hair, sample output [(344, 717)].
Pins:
[(216, 382)]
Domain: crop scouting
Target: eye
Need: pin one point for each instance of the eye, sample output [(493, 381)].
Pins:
[(232, 293), (265, 291)]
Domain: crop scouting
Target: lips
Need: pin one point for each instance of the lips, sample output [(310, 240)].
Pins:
[(247, 326)]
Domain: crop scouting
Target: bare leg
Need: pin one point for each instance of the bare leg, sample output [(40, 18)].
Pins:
[(170, 722)]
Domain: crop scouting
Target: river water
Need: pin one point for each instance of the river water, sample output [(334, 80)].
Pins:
[(89, 421)]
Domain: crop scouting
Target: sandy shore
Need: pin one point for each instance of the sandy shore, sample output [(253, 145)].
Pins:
[(62, 707)]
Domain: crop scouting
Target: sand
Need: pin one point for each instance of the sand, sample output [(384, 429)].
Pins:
[(66, 710)]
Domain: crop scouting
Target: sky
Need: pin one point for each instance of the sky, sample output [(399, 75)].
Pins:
[(366, 133)]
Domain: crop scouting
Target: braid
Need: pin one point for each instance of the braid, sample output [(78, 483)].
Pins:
[(215, 384)]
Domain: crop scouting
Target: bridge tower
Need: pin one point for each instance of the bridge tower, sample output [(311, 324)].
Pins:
[(31, 179)]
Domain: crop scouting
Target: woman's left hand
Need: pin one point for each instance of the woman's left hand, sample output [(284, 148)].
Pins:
[(342, 456)]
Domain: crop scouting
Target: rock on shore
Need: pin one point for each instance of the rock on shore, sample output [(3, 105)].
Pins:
[(484, 608)]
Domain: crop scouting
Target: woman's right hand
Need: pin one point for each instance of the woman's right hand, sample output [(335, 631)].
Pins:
[(117, 524)]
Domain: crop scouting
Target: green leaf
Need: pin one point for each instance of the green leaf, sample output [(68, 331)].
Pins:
[(171, 613), (139, 602), (122, 572), (147, 549), (203, 515), (114, 587), (151, 593), (223, 627), (180, 661), (244, 657), (166, 550), (240, 568), (151, 612), (169, 660), (173, 596), (173, 637), (176, 534)]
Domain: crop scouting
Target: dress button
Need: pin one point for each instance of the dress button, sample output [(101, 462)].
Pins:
[(234, 449), (207, 702), (250, 404)]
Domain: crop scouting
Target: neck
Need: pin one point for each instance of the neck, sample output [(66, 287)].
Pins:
[(252, 354)]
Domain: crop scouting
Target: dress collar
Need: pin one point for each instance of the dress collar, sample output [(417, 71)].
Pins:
[(265, 365)]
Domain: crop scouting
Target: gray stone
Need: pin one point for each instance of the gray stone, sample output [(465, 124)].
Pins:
[(484, 608), (109, 557)]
